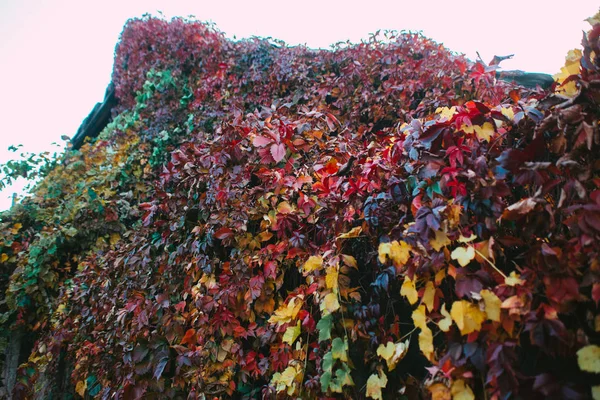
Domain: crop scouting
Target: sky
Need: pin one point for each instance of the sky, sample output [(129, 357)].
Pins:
[(56, 55)]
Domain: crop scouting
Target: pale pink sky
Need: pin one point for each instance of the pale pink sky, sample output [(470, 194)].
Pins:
[(56, 55)]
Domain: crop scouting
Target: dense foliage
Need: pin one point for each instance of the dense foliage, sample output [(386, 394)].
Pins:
[(381, 220)]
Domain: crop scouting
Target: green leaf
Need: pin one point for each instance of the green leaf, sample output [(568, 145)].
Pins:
[(342, 378), (324, 327), (327, 367), (339, 349)]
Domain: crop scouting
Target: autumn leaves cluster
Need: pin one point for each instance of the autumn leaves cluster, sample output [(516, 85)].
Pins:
[(379, 220)]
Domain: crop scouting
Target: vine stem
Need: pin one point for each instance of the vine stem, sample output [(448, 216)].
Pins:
[(408, 334), (305, 357), (491, 263)]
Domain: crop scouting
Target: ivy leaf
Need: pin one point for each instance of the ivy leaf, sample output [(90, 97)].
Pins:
[(223, 233), (440, 240), (331, 278), (425, 336), (314, 263), (398, 252), (291, 334), (426, 342), (392, 353), (352, 233), (468, 317), (342, 378), (375, 383), (289, 380), (484, 132), (324, 327), (439, 391), (287, 313), (461, 391), (445, 322), (513, 279), (409, 291), (429, 296), (327, 366), (330, 303), (80, 388), (596, 392), (339, 349), (160, 366), (463, 255), (492, 304), (588, 358)]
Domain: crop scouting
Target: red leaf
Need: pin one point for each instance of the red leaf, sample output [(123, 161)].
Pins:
[(596, 293), (261, 141), (189, 337), (270, 269), (223, 233), (278, 151)]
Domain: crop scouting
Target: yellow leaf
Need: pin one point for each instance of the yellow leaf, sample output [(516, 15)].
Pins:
[(441, 240), (375, 383), (418, 316), (513, 279), (425, 336), (426, 342), (61, 309), (484, 132), (81, 387), (572, 67), (352, 233), (445, 112), (312, 264), (467, 128), (288, 380), (463, 239), (286, 313), (508, 112), (445, 322), (3, 258), (429, 296), (453, 213), (330, 303), (492, 304), (291, 334), (409, 291), (596, 392), (463, 255), (331, 279), (397, 252), (114, 238), (588, 358), (392, 353), (16, 228), (461, 391), (467, 316), (349, 261), (439, 391)]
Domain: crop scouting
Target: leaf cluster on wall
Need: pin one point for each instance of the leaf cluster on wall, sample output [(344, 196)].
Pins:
[(381, 220)]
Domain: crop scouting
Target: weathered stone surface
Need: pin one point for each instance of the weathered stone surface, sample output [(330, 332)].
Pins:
[(11, 363)]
